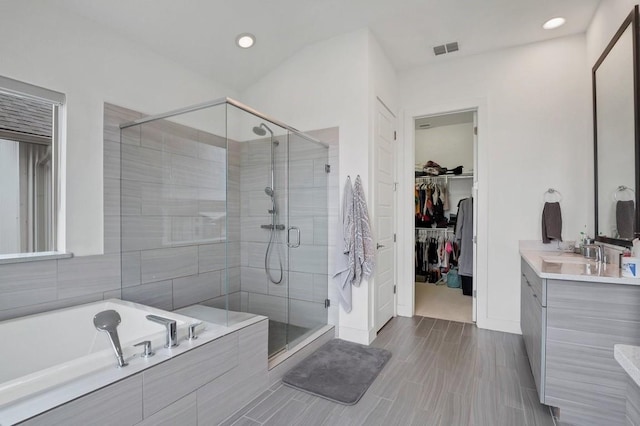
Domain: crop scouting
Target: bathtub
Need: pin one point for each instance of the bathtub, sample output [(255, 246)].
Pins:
[(43, 351)]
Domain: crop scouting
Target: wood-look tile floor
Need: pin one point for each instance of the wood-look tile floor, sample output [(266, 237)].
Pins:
[(441, 372)]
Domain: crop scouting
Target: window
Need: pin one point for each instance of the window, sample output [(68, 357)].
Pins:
[(29, 136)]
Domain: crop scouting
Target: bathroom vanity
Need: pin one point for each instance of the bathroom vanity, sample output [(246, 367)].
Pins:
[(573, 312), (629, 359)]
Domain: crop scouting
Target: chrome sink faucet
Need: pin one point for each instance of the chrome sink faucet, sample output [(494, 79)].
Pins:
[(599, 252), (171, 327)]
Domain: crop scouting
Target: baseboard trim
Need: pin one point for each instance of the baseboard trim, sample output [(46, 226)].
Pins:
[(499, 325), (355, 335)]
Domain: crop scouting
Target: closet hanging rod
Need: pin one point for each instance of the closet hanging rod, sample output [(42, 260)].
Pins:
[(445, 177)]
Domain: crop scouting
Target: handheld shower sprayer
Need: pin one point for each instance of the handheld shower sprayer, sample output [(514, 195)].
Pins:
[(262, 130)]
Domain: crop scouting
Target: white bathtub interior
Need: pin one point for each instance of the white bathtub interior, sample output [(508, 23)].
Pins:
[(59, 346)]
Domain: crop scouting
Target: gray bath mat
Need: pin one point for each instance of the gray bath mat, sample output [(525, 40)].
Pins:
[(339, 371)]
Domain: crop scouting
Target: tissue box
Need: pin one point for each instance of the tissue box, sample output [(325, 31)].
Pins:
[(630, 267)]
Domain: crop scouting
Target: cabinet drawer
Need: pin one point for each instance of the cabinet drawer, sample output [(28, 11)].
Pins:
[(535, 282)]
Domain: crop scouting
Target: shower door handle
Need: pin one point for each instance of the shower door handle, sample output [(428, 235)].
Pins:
[(289, 243)]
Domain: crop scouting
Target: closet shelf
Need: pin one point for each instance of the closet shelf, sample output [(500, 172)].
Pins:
[(445, 177)]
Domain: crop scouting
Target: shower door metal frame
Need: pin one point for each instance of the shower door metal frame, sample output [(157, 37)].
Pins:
[(217, 102)]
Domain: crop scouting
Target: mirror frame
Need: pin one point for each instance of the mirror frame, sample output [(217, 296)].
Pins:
[(632, 19)]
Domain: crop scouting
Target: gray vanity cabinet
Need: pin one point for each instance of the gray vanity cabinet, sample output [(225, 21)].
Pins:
[(533, 319), (569, 329), (584, 322), (633, 403)]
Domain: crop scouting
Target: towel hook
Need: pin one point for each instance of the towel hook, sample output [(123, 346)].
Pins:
[(551, 192), (622, 189)]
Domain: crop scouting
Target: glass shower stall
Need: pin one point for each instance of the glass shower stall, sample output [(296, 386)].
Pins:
[(225, 207)]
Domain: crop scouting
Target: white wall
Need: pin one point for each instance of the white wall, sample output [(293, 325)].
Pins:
[(49, 47), (533, 134), (605, 23), (449, 146), (334, 83)]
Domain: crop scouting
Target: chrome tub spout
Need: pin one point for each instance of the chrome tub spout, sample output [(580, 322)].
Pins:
[(171, 327)]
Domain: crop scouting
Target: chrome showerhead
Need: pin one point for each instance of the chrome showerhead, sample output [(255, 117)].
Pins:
[(262, 130)]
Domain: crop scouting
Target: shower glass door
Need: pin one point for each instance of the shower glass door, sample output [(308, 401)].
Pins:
[(282, 226), (306, 234)]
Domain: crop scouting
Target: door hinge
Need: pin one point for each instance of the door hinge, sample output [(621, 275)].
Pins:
[(327, 303), (394, 289), (475, 239), (475, 130), (474, 294), (395, 135), (394, 238), (327, 168)]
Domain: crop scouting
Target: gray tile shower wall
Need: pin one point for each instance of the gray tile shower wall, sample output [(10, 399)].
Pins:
[(310, 205), (176, 247)]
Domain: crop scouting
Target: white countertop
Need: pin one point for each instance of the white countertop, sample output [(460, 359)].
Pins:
[(629, 358), (559, 265)]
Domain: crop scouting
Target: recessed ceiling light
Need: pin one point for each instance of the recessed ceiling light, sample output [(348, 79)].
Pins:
[(554, 23), (245, 40)]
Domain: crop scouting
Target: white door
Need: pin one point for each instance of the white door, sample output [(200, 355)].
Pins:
[(384, 151)]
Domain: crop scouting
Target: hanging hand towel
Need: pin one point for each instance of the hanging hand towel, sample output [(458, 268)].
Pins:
[(364, 250), (551, 223), (625, 215), (344, 247)]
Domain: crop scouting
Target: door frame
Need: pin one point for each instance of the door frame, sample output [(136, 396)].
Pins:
[(405, 207)]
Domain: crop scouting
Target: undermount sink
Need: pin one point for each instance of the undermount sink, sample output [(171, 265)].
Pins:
[(577, 260)]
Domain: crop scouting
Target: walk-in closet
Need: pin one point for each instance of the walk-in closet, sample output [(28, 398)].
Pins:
[(444, 176)]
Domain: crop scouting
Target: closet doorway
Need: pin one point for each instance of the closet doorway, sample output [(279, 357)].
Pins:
[(445, 220)]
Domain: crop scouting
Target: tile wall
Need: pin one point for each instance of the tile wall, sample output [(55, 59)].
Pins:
[(176, 245), (173, 224), (309, 205)]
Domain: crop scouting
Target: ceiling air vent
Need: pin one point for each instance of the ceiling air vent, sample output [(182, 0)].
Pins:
[(440, 50), (452, 47), (446, 48)]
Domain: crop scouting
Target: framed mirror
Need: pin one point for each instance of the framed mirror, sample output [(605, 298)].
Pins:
[(616, 135)]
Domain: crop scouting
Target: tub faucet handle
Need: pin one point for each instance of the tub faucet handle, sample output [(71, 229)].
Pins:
[(172, 329), (192, 330), (146, 352)]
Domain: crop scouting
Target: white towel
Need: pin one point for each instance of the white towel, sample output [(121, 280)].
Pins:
[(344, 247), (364, 251)]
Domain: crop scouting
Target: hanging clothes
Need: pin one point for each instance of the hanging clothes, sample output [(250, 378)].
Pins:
[(433, 254), (464, 236)]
